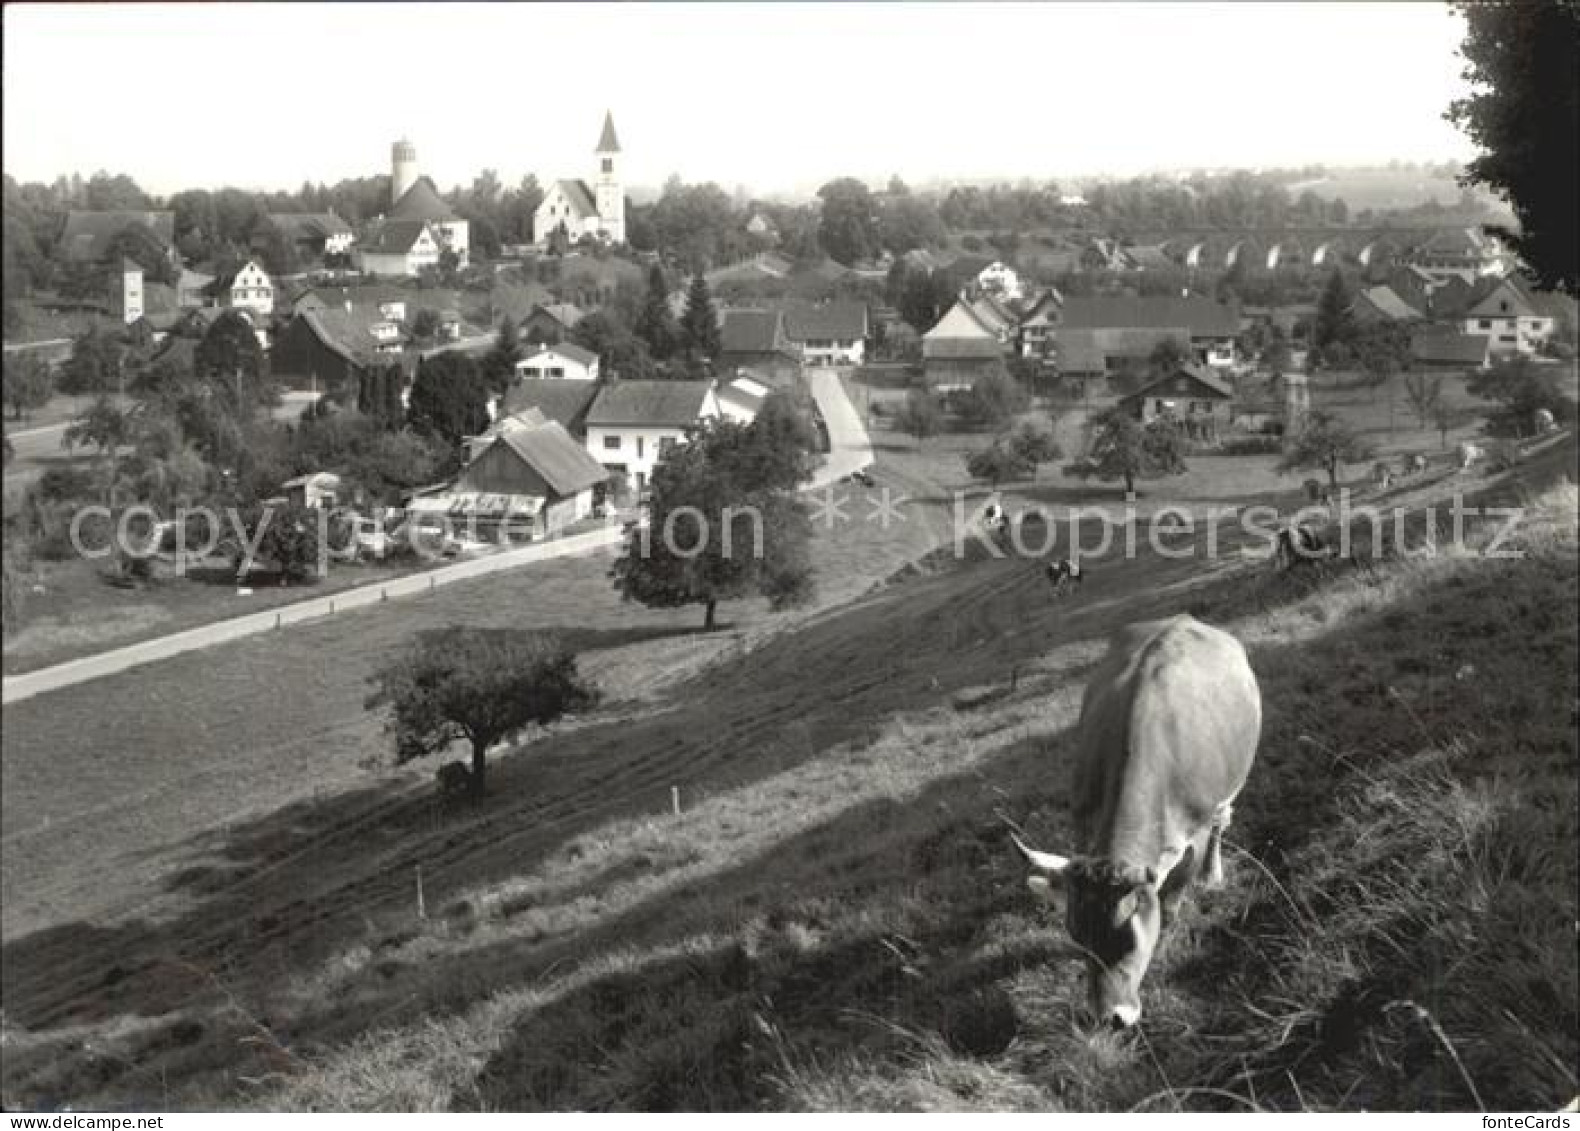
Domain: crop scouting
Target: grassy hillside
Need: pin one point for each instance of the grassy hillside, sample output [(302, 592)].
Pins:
[(835, 919)]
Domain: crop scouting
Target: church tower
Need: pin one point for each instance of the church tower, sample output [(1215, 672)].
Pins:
[(403, 169), (610, 192)]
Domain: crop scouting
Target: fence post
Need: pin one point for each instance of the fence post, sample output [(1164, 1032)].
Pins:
[(674, 798), (276, 620), (422, 909)]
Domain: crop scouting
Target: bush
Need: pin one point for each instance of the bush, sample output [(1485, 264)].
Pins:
[(1256, 444)]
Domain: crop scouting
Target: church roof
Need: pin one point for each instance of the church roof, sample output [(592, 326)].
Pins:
[(396, 237), (421, 202), (580, 197), (607, 142)]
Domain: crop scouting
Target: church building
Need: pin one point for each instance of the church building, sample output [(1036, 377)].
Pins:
[(579, 209)]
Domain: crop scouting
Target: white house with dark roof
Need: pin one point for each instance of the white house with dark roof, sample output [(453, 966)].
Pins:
[(1464, 252), (829, 333), (632, 424), (1504, 311), (399, 247), (250, 289), (314, 234), (578, 208), (564, 361)]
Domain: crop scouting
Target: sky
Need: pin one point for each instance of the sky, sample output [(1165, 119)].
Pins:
[(774, 97)]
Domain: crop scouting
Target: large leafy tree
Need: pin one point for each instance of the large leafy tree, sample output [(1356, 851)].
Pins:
[(478, 685), (848, 228), (919, 415), (724, 523), (230, 362), (622, 355), (499, 365), (1523, 63), (449, 398), (1322, 444), (1520, 389), (1332, 321), (1123, 448), (94, 365), (27, 383)]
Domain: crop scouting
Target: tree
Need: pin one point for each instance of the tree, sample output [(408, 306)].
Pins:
[(1520, 388), (699, 326), (230, 362), (1424, 391), (28, 384), (1332, 322), (425, 324), (919, 415), (449, 398), (992, 399), (138, 243), (848, 228), (94, 365), (499, 365), (1446, 418), (106, 426), (1322, 444), (723, 524), (656, 324), (1524, 112), (1033, 443), (622, 355), (998, 462), (285, 537), (1125, 449), (481, 685), (1168, 356)]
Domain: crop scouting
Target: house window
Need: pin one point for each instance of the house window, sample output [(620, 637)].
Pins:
[(666, 444), (639, 447), (1485, 324), (608, 164), (557, 372), (612, 444)]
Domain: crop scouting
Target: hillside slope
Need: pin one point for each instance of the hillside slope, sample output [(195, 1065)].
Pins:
[(835, 921)]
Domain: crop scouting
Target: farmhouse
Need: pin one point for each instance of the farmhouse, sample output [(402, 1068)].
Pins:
[(969, 339), (632, 423), (1506, 312), (564, 402), (741, 399), (831, 333), (313, 235), (1464, 252), (1037, 331), (399, 247), (1107, 333), (248, 289), (755, 342), (530, 480), (1437, 347), (1193, 394), (87, 236), (547, 323)]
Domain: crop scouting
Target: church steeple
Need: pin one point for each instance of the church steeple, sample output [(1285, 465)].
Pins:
[(609, 192), (607, 142)]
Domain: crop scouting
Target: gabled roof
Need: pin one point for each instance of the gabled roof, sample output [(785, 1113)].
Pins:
[(87, 235), (954, 348), (309, 225), (555, 455), (342, 333), (396, 237), (422, 202), (1480, 302), (582, 357), (1454, 241), (993, 314), (1211, 384), (607, 142), (751, 331), (566, 314), (670, 403), (565, 402), (744, 393), (1201, 316), (579, 196), (839, 320), (1386, 301), (962, 321)]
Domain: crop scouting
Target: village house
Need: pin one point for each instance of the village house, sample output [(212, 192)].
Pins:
[(633, 423), (249, 289), (1103, 334), (1505, 311), (399, 247), (740, 400), (87, 236), (1037, 331), (193, 288), (1464, 252), (565, 402), (573, 209), (551, 322), (754, 342), (413, 197), (317, 489), (973, 275), (313, 235), (828, 334), (126, 292), (563, 362), (528, 480), (968, 340), (1441, 347), (1195, 396)]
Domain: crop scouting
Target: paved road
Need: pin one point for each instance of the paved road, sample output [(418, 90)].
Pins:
[(850, 450)]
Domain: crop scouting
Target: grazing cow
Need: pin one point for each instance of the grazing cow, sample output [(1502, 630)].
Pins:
[(1299, 542), (1468, 454), (1412, 465), (1382, 476), (1313, 489), (1062, 574), (1545, 422), (1168, 731)]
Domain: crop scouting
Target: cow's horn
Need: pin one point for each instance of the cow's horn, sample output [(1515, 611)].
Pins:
[(1042, 861)]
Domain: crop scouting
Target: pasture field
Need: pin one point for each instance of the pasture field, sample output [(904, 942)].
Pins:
[(835, 919)]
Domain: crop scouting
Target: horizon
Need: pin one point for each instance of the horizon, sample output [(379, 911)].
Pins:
[(910, 123)]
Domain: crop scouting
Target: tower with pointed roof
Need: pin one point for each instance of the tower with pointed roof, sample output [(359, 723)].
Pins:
[(610, 190)]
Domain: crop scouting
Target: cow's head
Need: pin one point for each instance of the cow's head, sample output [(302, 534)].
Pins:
[(1114, 915)]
